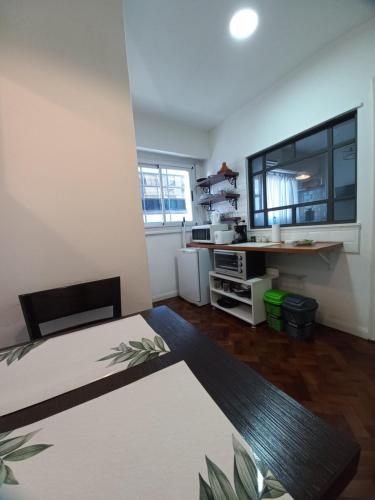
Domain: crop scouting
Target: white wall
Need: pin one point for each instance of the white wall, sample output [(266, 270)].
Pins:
[(69, 196), (333, 81), (163, 140), (164, 135), (162, 251)]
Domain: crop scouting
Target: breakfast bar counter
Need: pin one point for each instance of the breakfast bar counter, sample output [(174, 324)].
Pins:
[(315, 249)]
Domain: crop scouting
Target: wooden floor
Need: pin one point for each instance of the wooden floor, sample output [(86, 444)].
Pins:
[(333, 376)]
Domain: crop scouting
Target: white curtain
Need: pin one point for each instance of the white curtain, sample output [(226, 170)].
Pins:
[(281, 191)]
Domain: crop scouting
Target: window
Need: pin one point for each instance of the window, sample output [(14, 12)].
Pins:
[(309, 179), (166, 194)]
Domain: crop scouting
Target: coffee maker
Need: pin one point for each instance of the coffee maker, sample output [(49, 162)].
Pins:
[(240, 232)]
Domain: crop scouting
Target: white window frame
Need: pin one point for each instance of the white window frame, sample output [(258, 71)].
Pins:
[(190, 168)]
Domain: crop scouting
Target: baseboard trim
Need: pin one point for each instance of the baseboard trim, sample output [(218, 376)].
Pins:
[(358, 331), (164, 296)]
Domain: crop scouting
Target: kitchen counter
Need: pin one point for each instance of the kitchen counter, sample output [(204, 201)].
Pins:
[(315, 249)]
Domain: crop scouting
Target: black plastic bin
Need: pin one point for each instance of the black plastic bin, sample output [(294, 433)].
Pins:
[(304, 332), (299, 315)]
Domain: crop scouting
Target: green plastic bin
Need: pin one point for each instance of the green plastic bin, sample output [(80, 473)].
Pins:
[(275, 323), (273, 300)]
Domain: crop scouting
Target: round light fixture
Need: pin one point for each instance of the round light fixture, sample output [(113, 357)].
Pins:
[(243, 24), (303, 177)]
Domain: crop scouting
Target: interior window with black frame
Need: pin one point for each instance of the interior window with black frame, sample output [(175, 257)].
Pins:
[(309, 179)]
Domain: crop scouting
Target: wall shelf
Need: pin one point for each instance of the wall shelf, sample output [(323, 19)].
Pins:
[(217, 198), (231, 177), (230, 219)]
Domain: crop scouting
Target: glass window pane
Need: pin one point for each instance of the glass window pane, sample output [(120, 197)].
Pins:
[(151, 195), (280, 155), (153, 218), (344, 161), (301, 182), (280, 217), (312, 144), (259, 219), (258, 192), (177, 195), (257, 164), (313, 213), (344, 131), (344, 210)]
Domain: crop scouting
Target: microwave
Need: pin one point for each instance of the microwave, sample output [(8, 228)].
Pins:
[(242, 265), (206, 234)]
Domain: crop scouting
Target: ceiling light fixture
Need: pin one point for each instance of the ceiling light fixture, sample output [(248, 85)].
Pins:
[(243, 24), (303, 177)]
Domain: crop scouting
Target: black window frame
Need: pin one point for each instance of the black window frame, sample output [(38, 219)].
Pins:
[(329, 150)]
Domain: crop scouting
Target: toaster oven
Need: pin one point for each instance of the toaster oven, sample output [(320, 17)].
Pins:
[(242, 265)]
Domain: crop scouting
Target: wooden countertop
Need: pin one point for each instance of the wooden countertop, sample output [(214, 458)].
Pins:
[(316, 248)]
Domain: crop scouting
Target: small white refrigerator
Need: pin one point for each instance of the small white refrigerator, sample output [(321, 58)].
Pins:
[(193, 267)]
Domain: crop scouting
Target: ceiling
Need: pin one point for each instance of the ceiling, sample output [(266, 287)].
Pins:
[(183, 63)]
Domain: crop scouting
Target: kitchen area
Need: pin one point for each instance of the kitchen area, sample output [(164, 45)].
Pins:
[(226, 267), (293, 203)]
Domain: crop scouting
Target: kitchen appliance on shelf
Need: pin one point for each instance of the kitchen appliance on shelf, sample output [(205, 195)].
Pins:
[(242, 265), (224, 237), (240, 233), (206, 233), (193, 266), (215, 217)]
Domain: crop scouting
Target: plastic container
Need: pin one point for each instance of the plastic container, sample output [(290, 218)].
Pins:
[(299, 310), (273, 300), (275, 323), (304, 332)]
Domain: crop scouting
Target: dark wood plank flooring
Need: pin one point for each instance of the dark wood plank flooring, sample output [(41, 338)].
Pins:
[(333, 376)]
